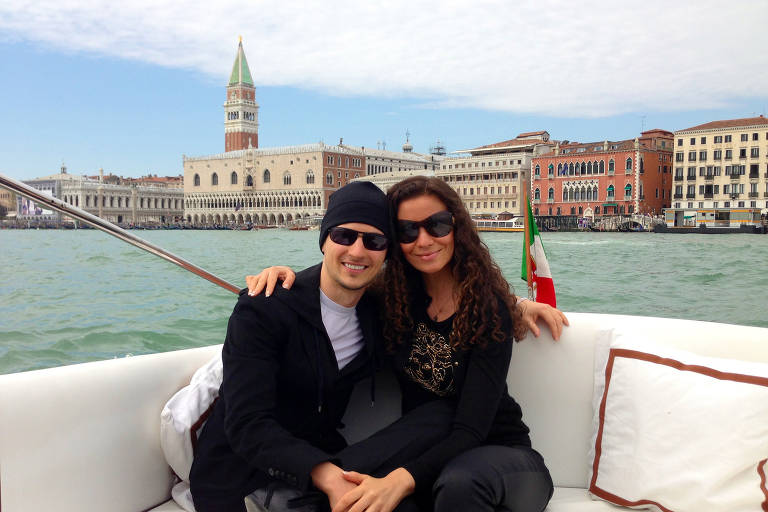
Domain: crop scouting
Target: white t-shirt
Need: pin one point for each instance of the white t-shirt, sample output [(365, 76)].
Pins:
[(343, 330)]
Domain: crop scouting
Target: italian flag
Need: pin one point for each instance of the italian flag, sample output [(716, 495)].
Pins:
[(535, 268)]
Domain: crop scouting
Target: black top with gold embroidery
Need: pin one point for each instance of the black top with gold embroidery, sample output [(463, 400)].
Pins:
[(429, 369)]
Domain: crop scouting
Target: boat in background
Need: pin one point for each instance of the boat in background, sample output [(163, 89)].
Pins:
[(514, 225)]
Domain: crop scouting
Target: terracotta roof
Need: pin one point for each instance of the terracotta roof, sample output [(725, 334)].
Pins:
[(729, 123), (513, 142)]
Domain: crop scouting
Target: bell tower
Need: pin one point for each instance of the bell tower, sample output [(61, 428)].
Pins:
[(241, 123)]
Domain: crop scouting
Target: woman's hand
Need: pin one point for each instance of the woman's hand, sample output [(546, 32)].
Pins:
[(267, 279), (329, 478), (376, 494), (553, 317)]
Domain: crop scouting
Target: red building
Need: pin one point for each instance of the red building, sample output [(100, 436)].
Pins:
[(604, 178)]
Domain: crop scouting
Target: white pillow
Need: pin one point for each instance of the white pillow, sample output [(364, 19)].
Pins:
[(677, 431), (184, 415)]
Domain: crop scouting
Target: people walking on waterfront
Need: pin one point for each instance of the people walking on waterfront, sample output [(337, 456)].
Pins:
[(450, 319)]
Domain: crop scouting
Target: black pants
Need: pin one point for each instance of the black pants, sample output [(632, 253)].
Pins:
[(494, 479), (377, 455)]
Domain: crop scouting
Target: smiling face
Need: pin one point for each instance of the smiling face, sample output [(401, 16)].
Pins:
[(348, 269), (427, 254)]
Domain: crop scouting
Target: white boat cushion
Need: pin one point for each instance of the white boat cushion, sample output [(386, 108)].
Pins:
[(184, 415), (678, 431)]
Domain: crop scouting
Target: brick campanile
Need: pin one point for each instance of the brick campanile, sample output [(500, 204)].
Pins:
[(241, 124)]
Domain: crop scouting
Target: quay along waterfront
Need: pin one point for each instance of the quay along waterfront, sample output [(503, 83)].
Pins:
[(69, 296)]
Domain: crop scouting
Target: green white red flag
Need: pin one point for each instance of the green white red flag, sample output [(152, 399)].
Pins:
[(535, 269)]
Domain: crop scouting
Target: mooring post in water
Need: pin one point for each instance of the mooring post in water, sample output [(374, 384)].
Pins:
[(107, 227)]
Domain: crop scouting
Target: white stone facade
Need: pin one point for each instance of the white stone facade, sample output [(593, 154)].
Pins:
[(126, 205)]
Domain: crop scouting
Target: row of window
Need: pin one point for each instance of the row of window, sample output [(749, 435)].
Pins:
[(494, 204), (484, 190), (588, 168), (494, 176), (715, 170), (576, 193), (123, 202), (356, 162), (464, 165), (728, 188), (236, 203), (616, 210), (719, 139), (726, 204), (717, 154)]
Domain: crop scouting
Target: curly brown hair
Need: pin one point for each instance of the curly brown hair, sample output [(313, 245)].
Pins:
[(481, 285)]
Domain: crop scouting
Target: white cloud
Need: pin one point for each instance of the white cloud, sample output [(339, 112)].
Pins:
[(563, 58)]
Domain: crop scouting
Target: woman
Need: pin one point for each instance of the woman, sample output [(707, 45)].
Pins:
[(449, 322)]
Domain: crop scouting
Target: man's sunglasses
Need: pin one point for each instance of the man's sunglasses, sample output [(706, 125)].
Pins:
[(346, 236), (438, 225)]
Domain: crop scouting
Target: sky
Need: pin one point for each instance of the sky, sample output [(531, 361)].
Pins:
[(130, 87)]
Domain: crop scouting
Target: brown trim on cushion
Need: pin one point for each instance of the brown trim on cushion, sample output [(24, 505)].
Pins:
[(652, 358), (761, 472), (199, 423)]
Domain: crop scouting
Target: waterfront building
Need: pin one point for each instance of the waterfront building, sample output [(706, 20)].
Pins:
[(604, 178), (7, 203), (144, 201), (241, 112), (721, 174), (268, 186), (490, 179), (385, 168)]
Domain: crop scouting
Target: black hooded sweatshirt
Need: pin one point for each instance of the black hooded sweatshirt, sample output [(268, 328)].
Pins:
[(282, 396)]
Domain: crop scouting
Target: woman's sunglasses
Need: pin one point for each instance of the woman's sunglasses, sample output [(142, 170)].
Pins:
[(346, 236), (438, 225)]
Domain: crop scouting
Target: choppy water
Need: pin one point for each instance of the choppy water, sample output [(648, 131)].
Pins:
[(73, 296)]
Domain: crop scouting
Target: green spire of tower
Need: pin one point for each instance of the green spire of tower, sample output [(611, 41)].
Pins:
[(240, 72)]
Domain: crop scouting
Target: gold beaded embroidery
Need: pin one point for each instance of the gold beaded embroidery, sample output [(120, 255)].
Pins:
[(430, 363)]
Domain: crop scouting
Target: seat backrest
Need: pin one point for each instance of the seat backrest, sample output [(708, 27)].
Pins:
[(87, 437), (553, 381)]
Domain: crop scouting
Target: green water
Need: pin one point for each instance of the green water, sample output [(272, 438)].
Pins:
[(74, 296)]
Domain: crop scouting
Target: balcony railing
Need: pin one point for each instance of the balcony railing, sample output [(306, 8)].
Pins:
[(709, 177), (754, 175), (691, 177), (678, 196), (754, 194), (765, 194), (708, 195), (679, 178), (690, 196), (735, 176)]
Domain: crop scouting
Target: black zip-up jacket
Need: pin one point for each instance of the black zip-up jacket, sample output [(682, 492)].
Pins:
[(282, 396)]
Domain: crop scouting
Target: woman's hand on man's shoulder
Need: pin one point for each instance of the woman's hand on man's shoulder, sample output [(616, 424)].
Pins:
[(266, 280)]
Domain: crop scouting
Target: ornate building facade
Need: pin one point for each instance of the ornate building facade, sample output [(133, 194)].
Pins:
[(278, 186), (490, 179), (721, 174), (126, 201), (604, 178), (269, 186)]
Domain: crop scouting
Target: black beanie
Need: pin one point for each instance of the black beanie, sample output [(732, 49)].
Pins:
[(360, 201)]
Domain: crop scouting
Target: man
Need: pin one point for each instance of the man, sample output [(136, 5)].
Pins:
[(290, 363)]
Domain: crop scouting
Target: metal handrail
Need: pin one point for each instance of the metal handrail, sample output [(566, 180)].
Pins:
[(111, 229)]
